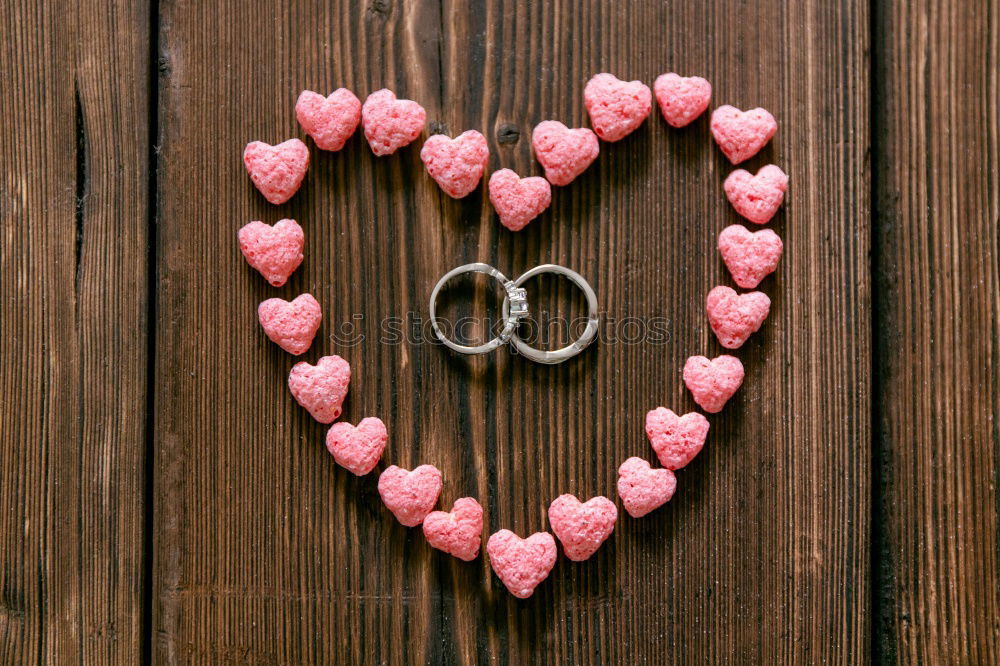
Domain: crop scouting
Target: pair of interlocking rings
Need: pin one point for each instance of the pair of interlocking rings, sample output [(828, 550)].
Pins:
[(515, 308)]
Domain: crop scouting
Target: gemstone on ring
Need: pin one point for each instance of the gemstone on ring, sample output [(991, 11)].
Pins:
[(518, 298)]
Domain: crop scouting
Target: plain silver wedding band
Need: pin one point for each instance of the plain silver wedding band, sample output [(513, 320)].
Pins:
[(577, 346)]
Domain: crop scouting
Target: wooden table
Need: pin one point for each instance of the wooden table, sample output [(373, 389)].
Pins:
[(162, 496)]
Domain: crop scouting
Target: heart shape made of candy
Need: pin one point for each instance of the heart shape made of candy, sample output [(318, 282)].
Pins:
[(582, 527), (749, 256), (675, 439), (321, 388), (331, 120), (518, 200), (357, 448), (410, 495), (457, 532), (390, 123), (276, 171), (456, 165), (741, 134), (735, 317), (681, 98), (274, 251), (756, 197), (564, 153), (616, 107), (713, 382), (291, 325), (642, 488), (521, 564)]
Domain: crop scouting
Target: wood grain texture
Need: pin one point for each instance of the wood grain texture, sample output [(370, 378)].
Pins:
[(937, 264), (73, 261), (266, 552)]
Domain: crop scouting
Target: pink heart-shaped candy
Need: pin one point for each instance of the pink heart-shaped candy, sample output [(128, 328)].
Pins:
[(321, 388), (616, 107), (564, 153), (749, 256), (582, 527), (713, 383), (357, 448), (276, 171), (676, 439), (458, 532), (643, 489), (391, 123), (330, 121), (735, 317), (457, 165), (681, 98), (741, 134), (410, 495), (756, 198), (521, 564), (274, 251), (518, 200), (291, 325)]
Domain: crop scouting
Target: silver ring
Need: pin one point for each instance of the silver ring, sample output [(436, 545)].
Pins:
[(512, 315), (515, 307), (589, 333)]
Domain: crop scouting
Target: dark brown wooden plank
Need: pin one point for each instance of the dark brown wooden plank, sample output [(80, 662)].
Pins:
[(73, 258), (938, 220), (267, 552)]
